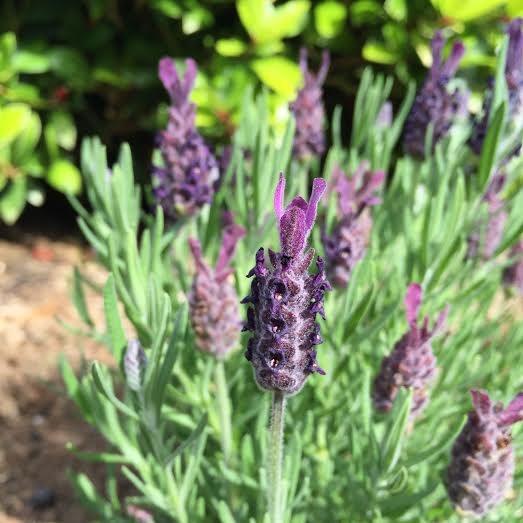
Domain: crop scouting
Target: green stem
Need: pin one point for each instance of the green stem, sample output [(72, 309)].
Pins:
[(275, 454), (224, 409)]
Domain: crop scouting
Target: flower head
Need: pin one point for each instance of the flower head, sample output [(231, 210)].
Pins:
[(411, 364), (186, 181), (213, 301), (482, 463), (134, 365), (347, 243), (435, 104), (285, 299), (308, 110)]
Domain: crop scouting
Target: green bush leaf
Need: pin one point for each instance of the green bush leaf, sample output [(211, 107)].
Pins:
[(378, 53), (280, 74), (30, 62), (13, 119), (65, 177), (25, 143), (329, 18), (12, 200), (466, 10), (230, 46)]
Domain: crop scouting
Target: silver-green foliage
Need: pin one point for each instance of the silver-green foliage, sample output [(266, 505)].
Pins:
[(343, 462)]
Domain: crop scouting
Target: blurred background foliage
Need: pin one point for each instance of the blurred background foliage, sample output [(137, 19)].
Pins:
[(84, 67)]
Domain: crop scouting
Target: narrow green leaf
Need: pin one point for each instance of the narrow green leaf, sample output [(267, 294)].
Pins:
[(112, 318)]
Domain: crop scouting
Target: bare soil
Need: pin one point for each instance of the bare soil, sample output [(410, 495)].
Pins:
[(37, 420)]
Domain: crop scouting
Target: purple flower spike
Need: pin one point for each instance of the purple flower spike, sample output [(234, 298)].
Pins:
[(481, 470), (189, 174), (514, 79), (213, 300), (285, 299), (348, 242), (434, 104), (308, 110), (411, 363), (513, 275)]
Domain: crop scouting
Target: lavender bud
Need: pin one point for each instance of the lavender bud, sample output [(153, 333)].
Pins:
[(435, 104), (187, 179), (481, 470), (134, 365), (139, 515), (384, 118), (411, 363), (308, 110), (514, 79), (513, 275), (285, 299), (348, 241), (213, 300)]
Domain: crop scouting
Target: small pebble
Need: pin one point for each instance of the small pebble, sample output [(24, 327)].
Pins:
[(42, 498)]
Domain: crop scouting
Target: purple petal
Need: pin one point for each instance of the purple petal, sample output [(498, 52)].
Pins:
[(167, 73), (191, 69), (440, 322), (513, 413), (318, 188), (412, 302), (480, 400), (196, 250), (298, 202), (324, 68), (437, 47), (451, 65), (293, 231), (279, 195)]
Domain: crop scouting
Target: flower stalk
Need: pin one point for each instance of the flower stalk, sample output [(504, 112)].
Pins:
[(224, 409), (275, 457)]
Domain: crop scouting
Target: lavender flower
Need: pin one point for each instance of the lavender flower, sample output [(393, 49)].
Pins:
[(513, 275), (487, 236), (213, 301), (187, 179), (514, 79), (347, 243), (411, 363), (308, 110), (134, 365), (482, 466), (434, 104), (384, 118), (285, 299)]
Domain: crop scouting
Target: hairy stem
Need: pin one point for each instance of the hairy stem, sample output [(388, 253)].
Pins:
[(275, 455), (224, 408)]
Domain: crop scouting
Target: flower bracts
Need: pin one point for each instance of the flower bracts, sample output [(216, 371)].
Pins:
[(411, 363), (308, 110), (350, 236), (213, 300), (285, 300), (482, 464), (187, 179), (435, 104)]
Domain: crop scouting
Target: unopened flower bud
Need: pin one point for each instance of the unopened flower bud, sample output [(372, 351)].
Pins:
[(134, 364), (513, 275)]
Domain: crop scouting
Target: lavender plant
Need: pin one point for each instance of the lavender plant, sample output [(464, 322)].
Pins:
[(185, 423)]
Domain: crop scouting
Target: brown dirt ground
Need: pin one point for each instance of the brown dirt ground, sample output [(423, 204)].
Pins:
[(36, 418)]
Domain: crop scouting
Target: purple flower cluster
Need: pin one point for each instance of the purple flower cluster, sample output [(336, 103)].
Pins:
[(285, 300), (308, 110), (213, 300), (434, 104), (513, 275), (348, 241), (411, 363), (486, 239), (187, 179), (514, 79), (482, 465)]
